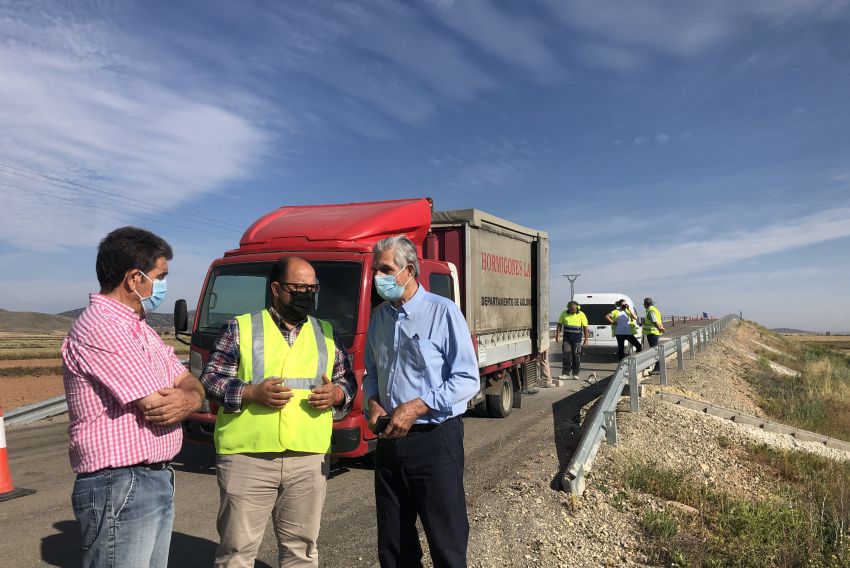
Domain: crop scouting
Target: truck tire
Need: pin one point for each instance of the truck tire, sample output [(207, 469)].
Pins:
[(500, 405)]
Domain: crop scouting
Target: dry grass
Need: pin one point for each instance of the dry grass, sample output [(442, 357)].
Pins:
[(26, 347), (810, 503), (823, 338), (817, 400)]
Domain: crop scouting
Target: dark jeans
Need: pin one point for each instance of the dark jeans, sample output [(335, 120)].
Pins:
[(653, 341), (621, 342), (422, 474), (571, 350), (125, 516)]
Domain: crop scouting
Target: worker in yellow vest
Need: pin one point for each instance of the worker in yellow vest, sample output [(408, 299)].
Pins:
[(269, 372), (573, 322), (652, 326), (623, 320)]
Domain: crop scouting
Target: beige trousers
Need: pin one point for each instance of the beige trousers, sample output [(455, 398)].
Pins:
[(545, 371), (290, 487)]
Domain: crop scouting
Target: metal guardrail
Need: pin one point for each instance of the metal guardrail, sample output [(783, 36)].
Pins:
[(37, 411), (602, 423)]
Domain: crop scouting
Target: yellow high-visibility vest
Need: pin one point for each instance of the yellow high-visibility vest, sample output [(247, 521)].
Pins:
[(572, 324), (614, 315), (649, 328), (263, 353)]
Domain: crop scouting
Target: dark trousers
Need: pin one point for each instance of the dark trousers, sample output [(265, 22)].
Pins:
[(422, 474), (653, 341), (621, 343), (571, 349)]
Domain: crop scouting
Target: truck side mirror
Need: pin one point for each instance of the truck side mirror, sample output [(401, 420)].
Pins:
[(181, 320)]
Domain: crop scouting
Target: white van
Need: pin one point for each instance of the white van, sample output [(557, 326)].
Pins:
[(596, 306)]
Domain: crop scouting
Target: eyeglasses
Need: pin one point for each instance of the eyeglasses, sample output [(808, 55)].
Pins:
[(292, 287)]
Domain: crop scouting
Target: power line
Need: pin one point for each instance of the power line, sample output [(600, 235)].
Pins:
[(131, 201), (93, 206)]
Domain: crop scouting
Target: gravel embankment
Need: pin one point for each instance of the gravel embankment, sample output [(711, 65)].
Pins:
[(528, 521)]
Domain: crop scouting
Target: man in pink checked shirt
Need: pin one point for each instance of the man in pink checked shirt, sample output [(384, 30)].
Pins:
[(127, 393)]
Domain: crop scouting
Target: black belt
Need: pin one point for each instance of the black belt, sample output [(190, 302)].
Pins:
[(156, 466), (428, 427)]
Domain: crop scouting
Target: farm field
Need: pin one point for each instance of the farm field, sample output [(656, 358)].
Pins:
[(31, 367), (834, 342)]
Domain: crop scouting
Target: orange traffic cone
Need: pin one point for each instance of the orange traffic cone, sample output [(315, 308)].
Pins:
[(7, 491)]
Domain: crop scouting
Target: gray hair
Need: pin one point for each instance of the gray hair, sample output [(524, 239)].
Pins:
[(404, 251)]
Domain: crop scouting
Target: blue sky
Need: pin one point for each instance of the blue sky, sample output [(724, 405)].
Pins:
[(697, 152)]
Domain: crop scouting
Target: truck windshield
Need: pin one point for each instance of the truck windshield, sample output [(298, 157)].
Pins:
[(237, 289)]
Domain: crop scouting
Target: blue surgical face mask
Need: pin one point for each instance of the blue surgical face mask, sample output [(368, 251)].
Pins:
[(388, 288), (152, 302)]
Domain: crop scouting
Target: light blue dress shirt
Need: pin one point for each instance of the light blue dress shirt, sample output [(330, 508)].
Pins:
[(421, 350)]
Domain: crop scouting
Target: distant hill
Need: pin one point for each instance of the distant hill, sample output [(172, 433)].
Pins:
[(34, 322), (790, 331), (158, 321)]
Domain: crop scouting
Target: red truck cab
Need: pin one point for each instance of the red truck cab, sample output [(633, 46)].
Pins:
[(337, 240), (495, 270)]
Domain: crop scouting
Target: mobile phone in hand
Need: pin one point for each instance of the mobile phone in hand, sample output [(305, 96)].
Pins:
[(381, 424)]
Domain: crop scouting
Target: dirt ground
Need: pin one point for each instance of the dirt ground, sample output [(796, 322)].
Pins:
[(11, 363), (18, 391)]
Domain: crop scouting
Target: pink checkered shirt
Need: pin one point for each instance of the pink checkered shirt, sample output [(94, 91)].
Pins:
[(113, 358)]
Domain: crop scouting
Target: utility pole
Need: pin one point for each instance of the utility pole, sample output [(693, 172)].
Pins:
[(572, 278)]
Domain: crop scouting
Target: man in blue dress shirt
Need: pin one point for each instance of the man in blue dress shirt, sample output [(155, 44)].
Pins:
[(421, 370)]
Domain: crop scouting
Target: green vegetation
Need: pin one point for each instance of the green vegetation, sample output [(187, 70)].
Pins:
[(817, 400), (836, 343), (16, 354), (28, 347), (34, 371), (796, 528)]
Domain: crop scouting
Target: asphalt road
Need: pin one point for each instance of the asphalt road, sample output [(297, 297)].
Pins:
[(40, 530)]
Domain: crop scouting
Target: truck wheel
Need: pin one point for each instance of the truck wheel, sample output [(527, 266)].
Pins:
[(500, 405), (481, 409)]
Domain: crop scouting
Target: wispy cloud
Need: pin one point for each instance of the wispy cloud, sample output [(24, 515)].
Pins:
[(662, 260), (609, 57), (509, 37), (485, 164), (78, 100), (637, 30)]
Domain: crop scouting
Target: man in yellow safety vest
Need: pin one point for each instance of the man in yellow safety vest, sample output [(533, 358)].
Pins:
[(652, 326), (269, 372), (573, 322)]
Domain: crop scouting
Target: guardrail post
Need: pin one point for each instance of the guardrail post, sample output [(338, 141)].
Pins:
[(680, 356), (662, 365), (633, 385), (691, 352), (611, 428)]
